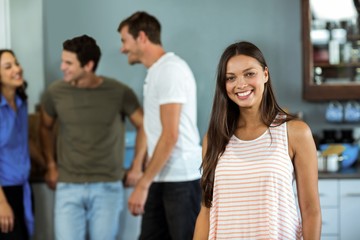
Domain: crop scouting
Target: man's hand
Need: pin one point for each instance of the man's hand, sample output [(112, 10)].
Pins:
[(51, 177), (137, 199), (132, 177)]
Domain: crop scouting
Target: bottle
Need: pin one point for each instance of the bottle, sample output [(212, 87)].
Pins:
[(318, 77), (332, 162), (346, 52), (337, 38), (334, 52), (321, 162)]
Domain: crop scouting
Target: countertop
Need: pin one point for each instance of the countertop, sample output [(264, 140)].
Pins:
[(348, 173)]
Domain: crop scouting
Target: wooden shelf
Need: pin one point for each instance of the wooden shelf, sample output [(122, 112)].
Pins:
[(340, 65), (353, 37)]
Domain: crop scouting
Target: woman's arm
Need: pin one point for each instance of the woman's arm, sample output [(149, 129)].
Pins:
[(203, 219), (202, 224), (302, 150)]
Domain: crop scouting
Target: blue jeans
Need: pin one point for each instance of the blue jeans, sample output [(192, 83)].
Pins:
[(171, 210), (88, 209)]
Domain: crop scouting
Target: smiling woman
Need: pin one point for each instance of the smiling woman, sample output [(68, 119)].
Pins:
[(16, 219), (251, 154), (245, 79)]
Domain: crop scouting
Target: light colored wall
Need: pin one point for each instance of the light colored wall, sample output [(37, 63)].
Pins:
[(197, 30), (26, 23)]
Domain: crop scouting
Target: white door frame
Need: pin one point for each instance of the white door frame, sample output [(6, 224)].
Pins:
[(5, 24)]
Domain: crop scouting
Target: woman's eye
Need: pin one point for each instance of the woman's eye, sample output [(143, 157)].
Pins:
[(230, 78), (249, 74)]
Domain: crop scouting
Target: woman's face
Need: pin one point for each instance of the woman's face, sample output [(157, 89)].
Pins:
[(245, 81), (10, 71)]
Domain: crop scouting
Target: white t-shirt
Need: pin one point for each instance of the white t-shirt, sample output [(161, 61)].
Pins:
[(170, 80)]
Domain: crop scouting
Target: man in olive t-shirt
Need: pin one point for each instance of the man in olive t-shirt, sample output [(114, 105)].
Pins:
[(90, 111)]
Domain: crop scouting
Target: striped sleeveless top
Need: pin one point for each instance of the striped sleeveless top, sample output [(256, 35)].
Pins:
[(253, 197)]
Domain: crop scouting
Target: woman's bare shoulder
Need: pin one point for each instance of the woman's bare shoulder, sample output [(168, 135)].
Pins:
[(299, 132), (298, 128)]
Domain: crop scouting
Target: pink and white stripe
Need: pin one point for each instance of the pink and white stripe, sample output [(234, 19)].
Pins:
[(253, 195)]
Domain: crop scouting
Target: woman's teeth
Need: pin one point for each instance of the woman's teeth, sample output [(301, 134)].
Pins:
[(243, 94)]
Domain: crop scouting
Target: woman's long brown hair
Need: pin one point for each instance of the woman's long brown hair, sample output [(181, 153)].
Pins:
[(225, 114), (20, 91)]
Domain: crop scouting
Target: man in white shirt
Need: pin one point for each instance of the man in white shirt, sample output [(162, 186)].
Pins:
[(168, 193)]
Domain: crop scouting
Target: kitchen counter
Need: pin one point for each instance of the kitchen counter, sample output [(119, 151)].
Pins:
[(348, 173)]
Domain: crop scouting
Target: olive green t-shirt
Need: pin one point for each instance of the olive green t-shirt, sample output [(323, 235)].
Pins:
[(90, 139)]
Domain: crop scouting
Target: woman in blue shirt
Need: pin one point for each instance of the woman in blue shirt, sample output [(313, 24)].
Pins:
[(16, 219)]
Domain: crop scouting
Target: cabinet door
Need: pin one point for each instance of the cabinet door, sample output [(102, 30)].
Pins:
[(349, 209), (328, 193), (330, 223), (329, 202)]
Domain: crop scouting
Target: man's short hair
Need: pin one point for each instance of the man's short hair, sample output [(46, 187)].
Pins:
[(85, 48), (142, 21)]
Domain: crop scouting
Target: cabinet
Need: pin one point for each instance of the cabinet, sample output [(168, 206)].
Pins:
[(340, 207), (349, 209), (329, 202), (322, 78)]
